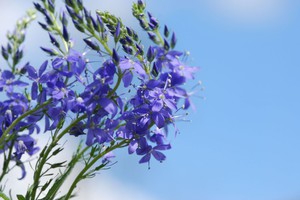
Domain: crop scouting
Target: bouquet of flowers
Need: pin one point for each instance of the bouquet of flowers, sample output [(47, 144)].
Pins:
[(128, 98)]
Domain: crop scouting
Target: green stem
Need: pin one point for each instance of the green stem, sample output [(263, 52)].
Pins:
[(7, 161), (156, 31), (104, 44), (89, 165), (41, 164), (16, 121), (3, 196), (117, 84)]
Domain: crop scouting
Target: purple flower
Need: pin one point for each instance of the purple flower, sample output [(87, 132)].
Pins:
[(36, 77), (8, 83), (25, 143)]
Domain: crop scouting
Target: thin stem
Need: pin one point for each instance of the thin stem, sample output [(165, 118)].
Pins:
[(90, 164), (117, 84), (156, 31), (37, 174), (7, 161), (2, 195)]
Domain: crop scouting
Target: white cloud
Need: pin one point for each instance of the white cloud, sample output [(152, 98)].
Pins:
[(249, 11)]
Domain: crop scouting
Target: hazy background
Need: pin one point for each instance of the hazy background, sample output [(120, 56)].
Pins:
[(243, 142)]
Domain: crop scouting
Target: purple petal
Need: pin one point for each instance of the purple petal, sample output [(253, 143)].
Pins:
[(127, 79), (57, 63), (31, 72), (7, 75), (133, 146), (145, 158), (170, 104), (158, 156), (157, 106), (21, 165), (89, 138), (34, 90), (158, 119), (109, 106), (163, 147), (43, 67), (19, 83)]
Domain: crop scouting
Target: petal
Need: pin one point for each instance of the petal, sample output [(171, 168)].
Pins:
[(43, 68), (157, 106), (34, 90), (19, 83), (163, 147), (31, 72), (89, 138), (109, 106), (127, 79), (145, 158), (133, 145), (57, 63), (21, 165), (170, 104), (7, 75), (158, 156), (158, 119)]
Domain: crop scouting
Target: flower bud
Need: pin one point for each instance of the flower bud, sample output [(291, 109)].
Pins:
[(44, 26), (17, 57), (127, 49), (173, 41), (87, 15), (154, 70), (63, 19), (123, 41), (100, 22), (51, 52), (78, 26), (150, 54), (95, 25), (80, 4), (152, 36), (166, 31), (141, 4), (53, 40), (92, 44), (117, 32), (129, 31), (39, 8), (153, 21), (8, 117), (4, 53), (48, 19), (135, 36), (129, 40), (51, 6), (115, 57), (65, 34), (69, 3), (70, 11), (143, 24), (166, 45), (9, 49), (140, 49)]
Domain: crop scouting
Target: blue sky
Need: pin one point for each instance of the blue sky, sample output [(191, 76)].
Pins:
[(243, 142)]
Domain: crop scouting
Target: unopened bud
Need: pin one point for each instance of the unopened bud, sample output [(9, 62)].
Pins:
[(116, 58), (92, 44)]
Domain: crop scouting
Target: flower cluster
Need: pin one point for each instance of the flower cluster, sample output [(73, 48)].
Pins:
[(127, 98)]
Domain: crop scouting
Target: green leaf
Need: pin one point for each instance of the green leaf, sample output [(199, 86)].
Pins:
[(20, 197)]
